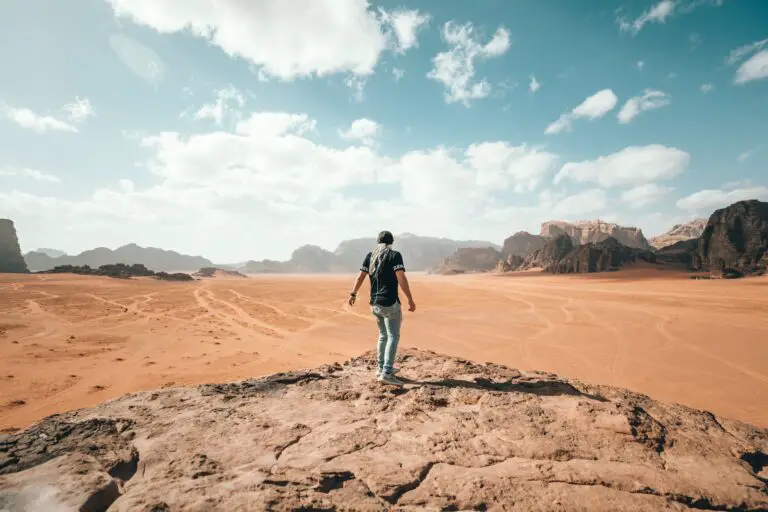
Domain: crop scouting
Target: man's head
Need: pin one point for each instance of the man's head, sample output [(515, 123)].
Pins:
[(385, 237)]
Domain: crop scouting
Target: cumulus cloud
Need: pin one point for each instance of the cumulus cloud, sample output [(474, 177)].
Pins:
[(643, 195), (79, 110), (286, 40), (37, 123), (455, 68), (754, 68), (633, 165), (594, 107), (534, 85), (742, 51), (30, 173), (650, 100), (363, 130), (228, 101), (711, 199)]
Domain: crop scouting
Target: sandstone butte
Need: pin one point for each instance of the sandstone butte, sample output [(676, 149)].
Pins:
[(459, 436)]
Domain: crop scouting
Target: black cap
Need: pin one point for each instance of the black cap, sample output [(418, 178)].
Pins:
[(385, 237)]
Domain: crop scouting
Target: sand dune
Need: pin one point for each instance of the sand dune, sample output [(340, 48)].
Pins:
[(68, 342)]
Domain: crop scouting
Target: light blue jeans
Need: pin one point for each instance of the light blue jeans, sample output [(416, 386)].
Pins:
[(389, 319)]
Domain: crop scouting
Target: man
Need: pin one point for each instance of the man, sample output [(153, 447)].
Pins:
[(385, 269)]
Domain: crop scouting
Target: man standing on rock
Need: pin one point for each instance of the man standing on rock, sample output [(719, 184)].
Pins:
[(384, 266)]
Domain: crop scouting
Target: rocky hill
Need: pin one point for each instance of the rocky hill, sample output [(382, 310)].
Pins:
[(53, 253), (522, 244), (459, 436), (470, 259), (550, 254), (151, 257), (212, 272), (604, 256), (680, 232), (736, 238), (11, 260), (119, 271), (593, 231)]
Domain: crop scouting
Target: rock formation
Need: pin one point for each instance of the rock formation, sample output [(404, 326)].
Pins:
[(470, 259), (593, 231), (459, 436), (11, 260), (53, 253), (603, 256), (736, 238), (151, 257), (683, 252), (119, 271), (679, 232), (522, 244), (552, 252), (210, 272), (312, 259)]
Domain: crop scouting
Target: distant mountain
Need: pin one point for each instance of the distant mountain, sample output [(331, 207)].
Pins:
[(11, 260), (53, 253), (592, 231), (679, 233), (470, 259), (154, 259)]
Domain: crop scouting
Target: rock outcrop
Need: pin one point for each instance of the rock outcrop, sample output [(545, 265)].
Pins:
[(594, 231), (459, 436), (736, 238), (522, 244), (470, 259), (11, 260), (119, 271), (683, 252), (151, 257), (211, 272), (604, 256), (553, 251), (679, 233)]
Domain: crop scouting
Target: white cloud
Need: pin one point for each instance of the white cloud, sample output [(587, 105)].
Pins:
[(534, 85), (746, 155), (640, 65), (228, 101), (28, 119), (357, 86), (756, 68), (126, 186), (363, 130), (658, 13), (455, 68), (406, 25), (705, 88), (744, 50), (30, 173), (594, 107), (398, 73), (643, 195), (708, 200), (285, 40), (633, 165), (79, 110), (588, 201), (650, 100)]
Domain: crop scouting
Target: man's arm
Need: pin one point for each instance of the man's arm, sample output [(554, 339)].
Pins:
[(403, 282), (360, 279)]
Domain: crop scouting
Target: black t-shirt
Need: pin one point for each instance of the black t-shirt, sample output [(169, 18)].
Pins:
[(384, 280)]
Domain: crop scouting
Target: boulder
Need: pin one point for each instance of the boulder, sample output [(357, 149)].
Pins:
[(11, 260)]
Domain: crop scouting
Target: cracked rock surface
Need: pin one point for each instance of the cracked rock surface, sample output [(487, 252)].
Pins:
[(459, 436)]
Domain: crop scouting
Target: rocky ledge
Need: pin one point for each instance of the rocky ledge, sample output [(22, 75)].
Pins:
[(459, 436)]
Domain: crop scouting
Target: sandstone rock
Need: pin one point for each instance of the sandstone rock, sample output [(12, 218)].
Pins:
[(522, 244), (459, 436), (470, 259), (683, 252), (593, 231), (11, 260), (679, 233), (603, 256), (552, 252), (312, 259), (736, 237)]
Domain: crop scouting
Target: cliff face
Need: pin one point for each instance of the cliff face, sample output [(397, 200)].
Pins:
[(11, 260), (736, 237), (593, 231), (603, 256), (459, 436), (552, 252), (522, 244), (680, 232), (470, 259)]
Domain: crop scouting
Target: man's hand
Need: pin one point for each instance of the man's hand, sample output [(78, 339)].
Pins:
[(411, 306), (352, 298)]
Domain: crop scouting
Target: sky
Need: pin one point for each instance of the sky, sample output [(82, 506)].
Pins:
[(242, 130)]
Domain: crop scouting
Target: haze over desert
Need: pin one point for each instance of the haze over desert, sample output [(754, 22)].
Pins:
[(74, 341)]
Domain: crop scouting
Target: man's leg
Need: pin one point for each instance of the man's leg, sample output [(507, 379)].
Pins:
[(382, 342), (392, 324)]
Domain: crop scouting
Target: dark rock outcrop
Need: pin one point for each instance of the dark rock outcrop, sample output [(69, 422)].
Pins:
[(594, 231), (553, 251), (522, 244), (151, 257), (736, 238), (470, 259), (210, 272), (683, 252), (11, 260), (679, 233), (118, 271), (459, 436), (604, 256)]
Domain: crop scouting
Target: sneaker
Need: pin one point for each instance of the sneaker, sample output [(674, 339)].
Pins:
[(379, 372), (388, 378)]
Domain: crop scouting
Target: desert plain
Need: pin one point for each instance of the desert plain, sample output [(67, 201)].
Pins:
[(68, 342)]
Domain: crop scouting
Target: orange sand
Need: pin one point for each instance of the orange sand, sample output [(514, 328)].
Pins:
[(68, 341)]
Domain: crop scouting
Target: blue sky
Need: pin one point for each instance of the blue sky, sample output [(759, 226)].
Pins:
[(244, 130)]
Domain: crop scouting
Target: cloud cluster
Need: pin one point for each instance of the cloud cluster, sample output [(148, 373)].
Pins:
[(75, 112), (227, 104), (754, 68), (455, 68), (594, 107), (650, 99)]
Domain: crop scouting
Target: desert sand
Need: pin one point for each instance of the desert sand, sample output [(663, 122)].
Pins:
[(68, 342)]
